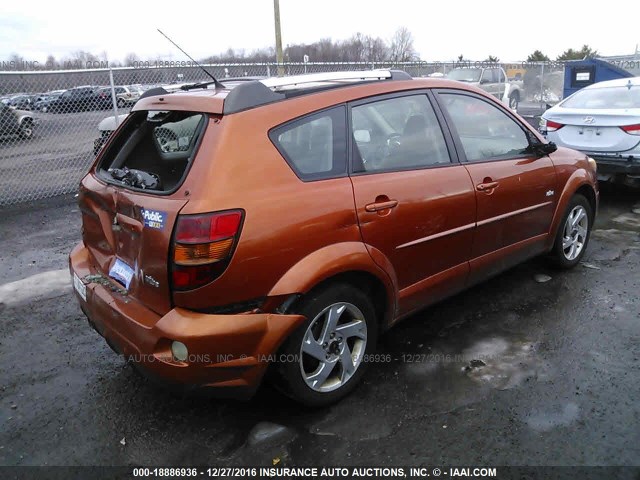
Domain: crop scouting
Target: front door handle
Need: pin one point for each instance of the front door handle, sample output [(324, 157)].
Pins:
[(378, 206), (481, 187)]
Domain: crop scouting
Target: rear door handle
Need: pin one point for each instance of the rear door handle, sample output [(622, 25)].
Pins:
[(377, 206), (486, 186)]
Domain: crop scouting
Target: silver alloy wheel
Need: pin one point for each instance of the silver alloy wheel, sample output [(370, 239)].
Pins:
[(575, 232), (333, 347)]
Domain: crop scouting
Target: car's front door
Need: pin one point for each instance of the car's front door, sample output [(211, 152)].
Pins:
[(489, 81), (415, 203), (515, 187)]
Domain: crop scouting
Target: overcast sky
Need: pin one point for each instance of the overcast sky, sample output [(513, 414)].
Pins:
[(508, 29)]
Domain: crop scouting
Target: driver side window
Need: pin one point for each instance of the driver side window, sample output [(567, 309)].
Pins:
[(486, 133), (397, 134)]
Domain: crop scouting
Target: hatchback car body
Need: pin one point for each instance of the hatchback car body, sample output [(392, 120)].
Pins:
[(284, 223), (602, 120)]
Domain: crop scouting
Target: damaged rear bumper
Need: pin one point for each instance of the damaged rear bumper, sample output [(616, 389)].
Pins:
[(227, 352)]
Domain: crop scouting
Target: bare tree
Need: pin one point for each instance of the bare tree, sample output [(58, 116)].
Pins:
[(402, 49), (131, 60), (51, 63), (376, 50)]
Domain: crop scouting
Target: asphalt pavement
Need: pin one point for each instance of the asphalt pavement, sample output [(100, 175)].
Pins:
[(534, 367)]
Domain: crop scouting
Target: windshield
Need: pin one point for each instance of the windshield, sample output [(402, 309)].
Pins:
[(601, 98), (465, 74)]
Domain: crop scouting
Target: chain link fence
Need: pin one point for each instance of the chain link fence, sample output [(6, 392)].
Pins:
[(49, 120)]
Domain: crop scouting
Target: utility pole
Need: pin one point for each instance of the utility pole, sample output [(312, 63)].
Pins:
[(279, 56)]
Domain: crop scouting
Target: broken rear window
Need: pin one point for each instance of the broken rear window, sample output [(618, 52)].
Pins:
[(154, 150)]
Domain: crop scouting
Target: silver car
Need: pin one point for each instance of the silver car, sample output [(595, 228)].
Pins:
[(603, 121)]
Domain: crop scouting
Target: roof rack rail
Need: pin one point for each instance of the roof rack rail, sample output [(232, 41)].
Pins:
[(260, 92)]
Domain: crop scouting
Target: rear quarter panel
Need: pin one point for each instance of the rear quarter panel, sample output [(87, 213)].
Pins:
[(286, 219)]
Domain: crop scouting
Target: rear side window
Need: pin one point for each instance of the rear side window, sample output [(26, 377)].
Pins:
[(485, 131), (397, 134), (315, 146), (154, 150)]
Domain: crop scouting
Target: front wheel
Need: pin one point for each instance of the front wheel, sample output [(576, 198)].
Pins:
[(325, 358), (574, 232)]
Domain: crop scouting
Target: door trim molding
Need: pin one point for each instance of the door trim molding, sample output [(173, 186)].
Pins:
[(511, 214), (437, 235)]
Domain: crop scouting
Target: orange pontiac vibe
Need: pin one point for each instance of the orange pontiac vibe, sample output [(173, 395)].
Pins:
[(285, 223)]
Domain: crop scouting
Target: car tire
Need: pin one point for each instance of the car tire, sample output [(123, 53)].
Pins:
[(121, 103), (573, 234), (514, 100), (26, 128), (341, 326), (44, 109)]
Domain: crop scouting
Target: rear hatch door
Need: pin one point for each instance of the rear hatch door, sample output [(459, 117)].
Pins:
[(130, 202), (129, 237)]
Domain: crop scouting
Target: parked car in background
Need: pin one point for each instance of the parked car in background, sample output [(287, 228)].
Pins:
[(128, 95), (80, 99), (105, 128), (492, 80), (602, 120), (15, 123), (374, 196), (42, 105), (22, 102)]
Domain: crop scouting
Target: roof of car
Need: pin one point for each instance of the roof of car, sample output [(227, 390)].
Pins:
[(241, 94)]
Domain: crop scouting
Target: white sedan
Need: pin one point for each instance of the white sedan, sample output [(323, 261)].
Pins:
[(603, 121)]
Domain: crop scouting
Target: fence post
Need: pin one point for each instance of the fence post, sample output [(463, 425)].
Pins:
[(113, 98), (542, 86)]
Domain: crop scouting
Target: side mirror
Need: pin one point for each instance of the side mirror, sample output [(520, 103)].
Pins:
[(483, 81), (543, 148)]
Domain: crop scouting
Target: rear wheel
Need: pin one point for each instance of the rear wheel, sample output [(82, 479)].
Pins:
[(26, 128), (573, 235), (325, 358), (121, 103)]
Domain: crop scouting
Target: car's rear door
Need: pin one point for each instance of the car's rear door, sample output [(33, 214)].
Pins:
[(515, 188), (415, 203)]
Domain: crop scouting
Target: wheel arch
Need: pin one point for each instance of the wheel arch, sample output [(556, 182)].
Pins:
[(348, 262), (578, 183)]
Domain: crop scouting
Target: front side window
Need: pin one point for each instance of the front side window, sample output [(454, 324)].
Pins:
[(395, 134), (314, 146), (485, 131)]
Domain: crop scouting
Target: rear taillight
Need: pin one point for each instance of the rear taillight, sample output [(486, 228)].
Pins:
[(552, 126), (203, 245), (632, 129)]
